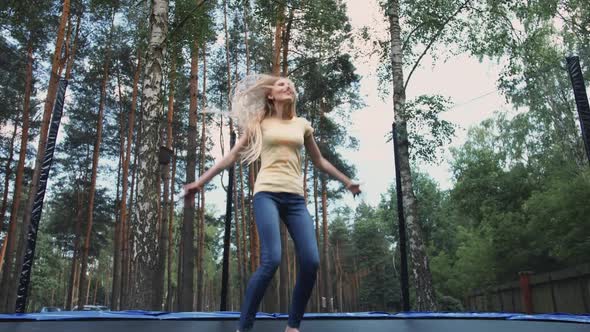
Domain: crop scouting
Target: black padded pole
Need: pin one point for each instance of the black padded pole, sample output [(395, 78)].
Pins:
[(227, 234), (401, 225), (25, 276), (575, 72)]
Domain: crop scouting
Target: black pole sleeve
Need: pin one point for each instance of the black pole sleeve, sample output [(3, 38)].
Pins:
[(227, 234), (401, 225), (25, 276), (575, 73)]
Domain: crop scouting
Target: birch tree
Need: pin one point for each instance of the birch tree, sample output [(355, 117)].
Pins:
[(145, 255)]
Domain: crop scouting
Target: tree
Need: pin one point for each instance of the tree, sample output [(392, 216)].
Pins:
[(29, 29), (522, 34), (375, 261), (95, 156), (426, 27), (146, 254)]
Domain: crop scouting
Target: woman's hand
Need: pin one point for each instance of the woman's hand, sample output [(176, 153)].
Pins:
[(354, 188), (191, 189)]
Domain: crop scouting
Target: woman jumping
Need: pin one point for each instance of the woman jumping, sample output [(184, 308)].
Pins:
[(264, 109)]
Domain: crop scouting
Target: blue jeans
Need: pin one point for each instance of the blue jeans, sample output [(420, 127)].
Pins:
[(269, 208)]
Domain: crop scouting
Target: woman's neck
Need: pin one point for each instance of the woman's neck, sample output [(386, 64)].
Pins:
[(281, 109)]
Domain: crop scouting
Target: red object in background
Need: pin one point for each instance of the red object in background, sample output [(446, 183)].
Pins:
[(525, 290)]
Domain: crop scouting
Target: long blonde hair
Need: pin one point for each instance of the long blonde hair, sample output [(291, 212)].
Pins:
[(250, 105)]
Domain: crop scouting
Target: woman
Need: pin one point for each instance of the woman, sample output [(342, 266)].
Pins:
[(265, 113)]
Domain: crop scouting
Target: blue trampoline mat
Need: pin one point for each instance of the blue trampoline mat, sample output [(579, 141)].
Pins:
[(153, 321), (158, 315)]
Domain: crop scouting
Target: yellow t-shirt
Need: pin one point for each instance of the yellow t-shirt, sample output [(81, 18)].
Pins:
[(280, 158)]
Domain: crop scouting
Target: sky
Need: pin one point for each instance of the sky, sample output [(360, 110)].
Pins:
[(471, 85)]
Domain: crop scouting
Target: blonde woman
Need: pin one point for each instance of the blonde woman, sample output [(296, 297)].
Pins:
[(264, 109)]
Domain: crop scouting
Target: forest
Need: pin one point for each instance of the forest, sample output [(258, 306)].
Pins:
[(142, 77)]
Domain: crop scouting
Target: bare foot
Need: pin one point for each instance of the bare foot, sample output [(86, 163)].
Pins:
[(291, 329)]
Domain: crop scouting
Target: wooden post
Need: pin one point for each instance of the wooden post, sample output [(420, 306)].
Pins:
[(525, 289)]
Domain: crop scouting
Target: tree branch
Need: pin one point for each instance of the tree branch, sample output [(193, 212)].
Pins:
[(183, 21), (410, 35), (306, 63), (438, 33)]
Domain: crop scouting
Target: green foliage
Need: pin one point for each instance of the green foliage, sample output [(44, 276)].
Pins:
[(45, 281), (22, 25), (532, 39), (558, 215), (374, 258), (427, 132), (515, 208), (62, 215), (425, 26), (192, 22)]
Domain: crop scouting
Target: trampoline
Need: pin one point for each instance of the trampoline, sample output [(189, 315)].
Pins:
[(136, 321)]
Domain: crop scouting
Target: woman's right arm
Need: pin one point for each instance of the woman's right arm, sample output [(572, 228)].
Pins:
[(225, 162)]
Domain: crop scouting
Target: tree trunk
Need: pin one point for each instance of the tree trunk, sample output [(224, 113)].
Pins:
[(8, 255), (425, 298), (286, 42), (118, 229), (76, 253), (225, 286), (8, 289), (76, 281), (119, 202), (250, 222), (357, 283), (72, 49), (254, 244), (78, 226), (247, 47), (119, 274), (7, 172), (327, 281), (170, 292), (284, 289), (168, 187), (200, 283), (66, 50), (239, 247), (88, 289), (246, 6), (95, 159), (128, 236), (164, 229), (145, 256), (325, 263), (179, 265), (339, 277), (96, 284), (279, 26), (319, 282), (188, 231), (55, 290), (243, 226), (272, 299)]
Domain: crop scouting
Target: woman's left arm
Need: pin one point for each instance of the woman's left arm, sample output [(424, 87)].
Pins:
[(325, 166)]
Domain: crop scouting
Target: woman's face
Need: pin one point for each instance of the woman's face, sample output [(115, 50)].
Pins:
[(282, 91)]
